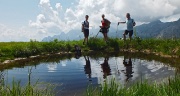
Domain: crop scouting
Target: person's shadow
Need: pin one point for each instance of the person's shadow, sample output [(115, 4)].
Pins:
[(87, 67), (106, 68), (129, 68)]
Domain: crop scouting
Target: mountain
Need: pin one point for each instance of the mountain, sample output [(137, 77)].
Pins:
[(155, 29), (158, 29), (77, 35)]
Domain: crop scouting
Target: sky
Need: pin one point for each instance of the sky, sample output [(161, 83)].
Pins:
[(22, 20)]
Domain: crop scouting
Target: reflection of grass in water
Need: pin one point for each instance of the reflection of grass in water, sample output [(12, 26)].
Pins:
[(170, 88)]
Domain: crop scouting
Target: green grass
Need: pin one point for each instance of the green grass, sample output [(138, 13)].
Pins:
[(28, 90), (170, 88), (16, 89), (11, 50)]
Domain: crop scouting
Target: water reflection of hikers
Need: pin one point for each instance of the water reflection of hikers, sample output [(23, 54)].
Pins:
[(106, 68), (129, 69), (77, 51), (85, 29), (130, 23), (105, 27), (87, 67)]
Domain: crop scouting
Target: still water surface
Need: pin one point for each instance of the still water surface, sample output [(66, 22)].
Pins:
[(72, 76)]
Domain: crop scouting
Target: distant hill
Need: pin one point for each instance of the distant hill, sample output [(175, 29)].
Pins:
[(77, 35), (158, 29)]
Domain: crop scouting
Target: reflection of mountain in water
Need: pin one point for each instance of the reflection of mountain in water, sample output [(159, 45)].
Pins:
[(139, 69)]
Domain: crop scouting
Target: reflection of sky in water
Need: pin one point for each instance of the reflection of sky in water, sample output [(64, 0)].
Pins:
[(52, 67), (75, 74)]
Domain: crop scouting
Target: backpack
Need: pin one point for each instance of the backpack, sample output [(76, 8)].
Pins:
[(107, 23), (82, 27), (134, 23)]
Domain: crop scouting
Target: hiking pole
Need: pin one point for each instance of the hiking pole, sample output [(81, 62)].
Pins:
[(116, 30), (96, 34)]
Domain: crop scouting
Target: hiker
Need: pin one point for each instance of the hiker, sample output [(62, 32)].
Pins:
[(130, 23), (87, 67), (105, 27), (85, 29)]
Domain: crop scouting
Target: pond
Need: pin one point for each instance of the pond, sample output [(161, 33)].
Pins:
[(72, 74)]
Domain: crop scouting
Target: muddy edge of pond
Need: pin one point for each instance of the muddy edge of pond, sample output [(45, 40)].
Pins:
[(160, 54)]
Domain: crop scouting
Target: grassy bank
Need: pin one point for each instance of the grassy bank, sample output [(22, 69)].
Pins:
[(170, 88), (11, 50)]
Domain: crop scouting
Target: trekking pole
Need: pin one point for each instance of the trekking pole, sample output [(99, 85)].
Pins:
[(96, 34), (116, 30)]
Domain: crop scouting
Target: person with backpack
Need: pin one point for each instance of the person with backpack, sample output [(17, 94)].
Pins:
[(130, 24), (105, 27), (85, 29)]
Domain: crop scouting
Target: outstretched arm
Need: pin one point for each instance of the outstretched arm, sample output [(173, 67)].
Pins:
[(121, 22)]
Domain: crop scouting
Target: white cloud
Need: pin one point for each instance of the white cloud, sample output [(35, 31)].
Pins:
[(58, 6), (20, 34), (49, 18), (171, 18), (115, 10), (53, 20)]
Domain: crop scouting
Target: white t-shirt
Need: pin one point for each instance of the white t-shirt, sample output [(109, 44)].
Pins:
[(129, 23), (86, 24)]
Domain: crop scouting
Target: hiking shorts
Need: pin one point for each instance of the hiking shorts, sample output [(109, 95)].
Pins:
[(86, 32), (129, 32), (104, 30)]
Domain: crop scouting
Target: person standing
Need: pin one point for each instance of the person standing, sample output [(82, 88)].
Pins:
[(105, 27), (130, 24), (85, 29)]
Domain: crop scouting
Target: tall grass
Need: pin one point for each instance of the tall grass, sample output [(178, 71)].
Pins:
[(28, 90), (15, 89), (170, 88)]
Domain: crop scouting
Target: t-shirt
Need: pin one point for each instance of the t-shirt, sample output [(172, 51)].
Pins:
[(103, 23), (86, 24), (129, 23)]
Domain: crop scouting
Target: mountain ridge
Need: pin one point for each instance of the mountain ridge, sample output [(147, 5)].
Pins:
[(155, 29)]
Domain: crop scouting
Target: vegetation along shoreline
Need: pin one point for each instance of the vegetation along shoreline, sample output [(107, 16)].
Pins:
[(13, 51)]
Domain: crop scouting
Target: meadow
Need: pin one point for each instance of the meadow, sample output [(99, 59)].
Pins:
[(12, 50)]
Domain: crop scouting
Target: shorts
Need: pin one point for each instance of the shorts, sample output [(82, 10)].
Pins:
[(86, 32), (129, 32), (104, 30)]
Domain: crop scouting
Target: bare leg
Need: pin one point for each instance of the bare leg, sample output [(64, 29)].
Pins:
[(106, 37), (84, 40), (124, 36), (130, 37), (87, 39)]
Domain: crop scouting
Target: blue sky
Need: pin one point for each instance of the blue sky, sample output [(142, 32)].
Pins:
[(22, 20), (18, 12)]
